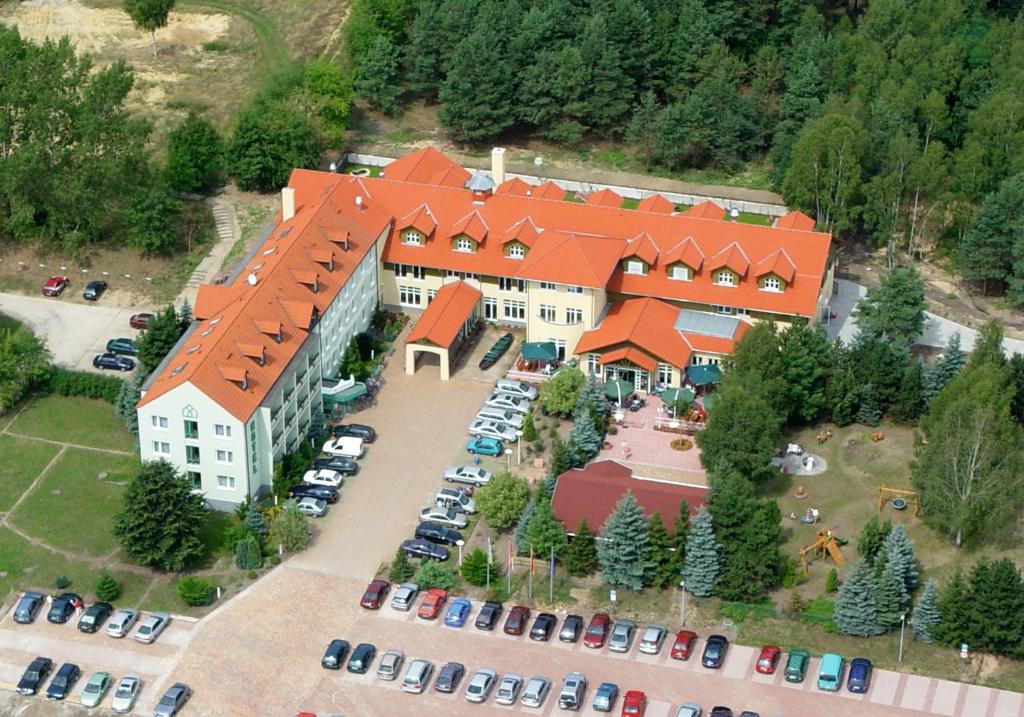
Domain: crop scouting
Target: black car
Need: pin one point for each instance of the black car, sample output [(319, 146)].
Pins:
[(424, 549), (335, 654), (308, 490), (63, 681), (93, 290), (449, 677), (345, 466), (437, 533), (488, 616), (34, 677), (28, 607), (63, 607), (95, 616), (719, 711), (362, 658), (356, 430), (714, 651), (113, 362), (749, 713), (543, 626), (572, 625)]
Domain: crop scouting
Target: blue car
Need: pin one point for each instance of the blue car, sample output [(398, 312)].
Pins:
[(605, 697), (859, 678), (485, 446), (458, 612)]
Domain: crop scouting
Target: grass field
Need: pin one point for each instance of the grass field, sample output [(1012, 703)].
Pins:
[(60, 418), (23, 459)]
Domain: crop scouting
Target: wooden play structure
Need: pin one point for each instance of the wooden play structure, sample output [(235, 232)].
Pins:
[(910, 496), (828, 547)]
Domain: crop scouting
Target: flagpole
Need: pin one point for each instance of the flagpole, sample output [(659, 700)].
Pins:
[(509, 576), (551, 578), (488, 563), (531, 574)]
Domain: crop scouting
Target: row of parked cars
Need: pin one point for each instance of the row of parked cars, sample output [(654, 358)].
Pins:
[(500, 419), (64, 606), (321, 484)]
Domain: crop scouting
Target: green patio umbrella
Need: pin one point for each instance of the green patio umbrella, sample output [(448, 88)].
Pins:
[(618, 390), (677, 398)]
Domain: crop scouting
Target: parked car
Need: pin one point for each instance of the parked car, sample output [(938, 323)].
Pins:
[(634, 703), (346, 447), (622, 636), (126, 693), (432, 603), (95, 616), (113, 362), (121, 623), (63, 681), (122, 346), (501, 415), (449, 676), (508, 402), (689, 709), (28, 607), (502, 431), (714, 651), (338, 464), (313, 507), (140, 321), (749, 713), (374, 594), (55, 286), (334, 655), (325, 493), (361, 659), (390, 665), (830, 672), (152, 626), (63, 607), (768, 660), (535, 692), (405, 595), (859, 678), (355, 429), (605, 697), (95, 689), (515, 621), (479, 688), (454, 498), (448, 517), (720, 711), (173, 700), (485, 447), (682, 648), (35, 675), (474, 475), (652, 639), (488, 616), (516, 388), (457, 613), (572, 625), (597, 631), (508, 689), (323, 476), (417, 676), (94, 290), (574, 689), (543, 626), (796, 665), (437, 533)]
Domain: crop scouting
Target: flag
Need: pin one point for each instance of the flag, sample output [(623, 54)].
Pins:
[(490, 557)]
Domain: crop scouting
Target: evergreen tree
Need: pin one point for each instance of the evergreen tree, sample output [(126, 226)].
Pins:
[(474, 567), (895, 308), (944, 368), (609, 91), (855, 612), (106, 587), (891, 599), (702, 563), (842, 390), (832, 581), (529, 429), (988, 347), (986, 254), (681, 531), (898, 552), (743, 429), (642, 124), (377, 80), (158, 338), (804, 363), (624, 544), (255, 523), (271, 138), (869, 413), (926, 615), (127, 396), (401, 568), (592, 395), (997, 607), (955, 611), (747, 529), (585, 436), (195, 156), (910, 401), (247, 553), (661, 568), (561, 458), (872, 538), (477, 95), (423, 52), (184, 315), (519, 534), (581, 554), (544, 532)]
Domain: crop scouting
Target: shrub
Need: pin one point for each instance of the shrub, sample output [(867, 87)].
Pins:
[(247, 553), (66, 382), (832, 581), (681, 444), (274, 559), (793, 575), (474, 567), (195, 591), (433, 575), (613, 430), (553, 432), (252, 575), (290, 529), (401, 569), (106, 587), (61, 582), (232, 536)]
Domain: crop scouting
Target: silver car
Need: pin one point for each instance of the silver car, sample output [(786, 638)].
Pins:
[(492, 429), (508, 689), (152, 626), (313, 507), (444, 516), (120, 623), (390, 665), (516, 388), (689, 710), (622, 636), (479, 688), (405, 596), (125, 694), (417, 676), (501, 415), (535, 692), (474, 475), (173, 700), (508, 401), (652, 639)]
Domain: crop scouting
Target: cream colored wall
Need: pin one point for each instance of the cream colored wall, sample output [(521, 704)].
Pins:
[(590, 302)]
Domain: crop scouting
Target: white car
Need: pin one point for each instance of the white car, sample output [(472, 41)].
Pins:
[(313, 507), (323, 477), (455, 498), (444, 516), (501, 415), (417, 676), (535, 691), (479, 688), (474, 475), (689, 710), (120, 623), (345, 446), (508, 689), (652, 639), (508, 402), (125, 694), (405, 596), (492, 429), (152, 626), (390, 665), (516, 388)]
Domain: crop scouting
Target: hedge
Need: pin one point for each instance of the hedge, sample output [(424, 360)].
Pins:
[(66, 382)]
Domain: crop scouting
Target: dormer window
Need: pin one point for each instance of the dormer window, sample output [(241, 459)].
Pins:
[(516, 251), (679, 272), (412, 237), (771, 283), (465, 244), (635, 266), (725, 278)]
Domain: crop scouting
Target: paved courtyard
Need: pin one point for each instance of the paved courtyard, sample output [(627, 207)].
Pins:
[(639, 445)]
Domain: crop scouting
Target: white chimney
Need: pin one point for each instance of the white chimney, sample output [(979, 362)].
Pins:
[(287, 203), (498, 165)]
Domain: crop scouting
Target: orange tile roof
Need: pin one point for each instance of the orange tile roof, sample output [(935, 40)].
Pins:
[(687, 252), (472, 225), (516, 187), (427, 166), (716, 344), (524, 231), (795, 220), (421, 219), (549, 190), (642, 246), (655, 203), (605, 198), (732, 257), (571, 259), (706, 210), (446, 314), (778, 263), (633, 355), (648, 324)]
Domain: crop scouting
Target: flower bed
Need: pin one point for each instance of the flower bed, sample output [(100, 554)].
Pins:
[(681, 444)]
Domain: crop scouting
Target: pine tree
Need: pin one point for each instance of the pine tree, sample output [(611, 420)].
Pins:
[(127, 397), (474, 567), (872, 537), (581, 554), (832, 581), (544, 532), (377, 80), (891, 599), (661, 570), (702, 563), (529, 430), (997, 607), (926, 615), (909, 402), (255, 522), (184, 315), (869, 413), (898, 551), (747, 529), (401, 569), (680, 533), (106, 587), (954, 609), (519, 534), (855, 612), (247, 553), (592, 395), (624, 543), (585, 436), (195, 156), (477, 94), (561, 459), (944, 368)]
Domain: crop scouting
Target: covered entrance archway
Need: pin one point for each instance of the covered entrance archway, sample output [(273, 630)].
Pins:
[(447, 322)]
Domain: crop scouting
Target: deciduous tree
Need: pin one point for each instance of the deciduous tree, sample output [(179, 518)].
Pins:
[(270, 140), (743, 430), (894, 310), (290, 529), (195, 156), (559, 394), (432, 574), (24, 362), (502, 499), (149, 15)]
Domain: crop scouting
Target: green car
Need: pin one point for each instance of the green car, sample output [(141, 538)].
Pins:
[(95, 689), (796, 665), (125, 347)]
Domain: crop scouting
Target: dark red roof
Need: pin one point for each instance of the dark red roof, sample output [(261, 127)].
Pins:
[(591, 492)]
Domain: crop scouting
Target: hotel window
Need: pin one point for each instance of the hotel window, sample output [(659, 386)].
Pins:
[(490, 308), (634, 266), (679, 272), (593, 364), (573, 316), (191, 429), (409, 295), (547, 286), (226, 482), (431, 293), (725, 278), (221, 431), (723, 310), (161, 447), (574, 290), (159, 422), (192, 454), (547, 313), (464, 244), (227, 457), (515, 310), (664, 373), (516, 251), (195, 479), (411, 236), (404, 270), (505, 284), (743, 312), (471, 275), (772, 283)]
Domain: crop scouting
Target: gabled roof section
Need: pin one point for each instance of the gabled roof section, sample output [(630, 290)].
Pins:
[(322, 255), (549, 190), (524, 231), (687, 252), (571, 259), (427, 166), (647, 324), (306, 277), (642, 246), (446, 314), (797, 221), (472, 225), (253, 351), (516, 187), (212, 299), (657, 204), (300, 313), (605, 198), (421, 219), (233, 373), (634, 355), (732, 257), (706, 210), (269, 328), (778, 263)]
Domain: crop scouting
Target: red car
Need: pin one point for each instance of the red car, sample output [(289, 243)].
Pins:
[(55, 286), (432, 603), (140, 321), (516, 621), (768, 660), (634, 704), (375, 593), (597, 630), (683, 645)]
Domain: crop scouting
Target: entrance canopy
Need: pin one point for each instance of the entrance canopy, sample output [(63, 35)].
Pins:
[(446, 314), (704, 375), (634, 356), (540, 351)]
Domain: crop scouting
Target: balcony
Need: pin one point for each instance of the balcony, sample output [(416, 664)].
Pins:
[(288, 396)]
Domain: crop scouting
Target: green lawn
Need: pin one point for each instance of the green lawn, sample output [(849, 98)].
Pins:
[(748, 218), (22, 460), (6, 322), (85, 421), (630, 203), (71, 507), (164, 595)]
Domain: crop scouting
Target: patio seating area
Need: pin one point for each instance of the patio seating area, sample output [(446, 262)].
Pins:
[(637, 441)]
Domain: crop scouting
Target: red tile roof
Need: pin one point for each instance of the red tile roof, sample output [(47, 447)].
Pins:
[(732, 257), (593, 491), (516, 187), (647, 324), (472, 225), (656, 203), (524, 231), (605, 198), (446, 314), (705, 210), (778, 263), (642, 246), (427, 166), (549, 190), (687, 252), (421, 219), (571, 259), (633, 355), (796, 220)]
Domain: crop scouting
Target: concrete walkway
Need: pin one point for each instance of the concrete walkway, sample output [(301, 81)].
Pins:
[(228, 232)]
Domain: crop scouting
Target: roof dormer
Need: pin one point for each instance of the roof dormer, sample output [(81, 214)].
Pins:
[(472, 225), (323, 257), (642, 246), (731, 257), (524, 232), (777, 263), (235, 374), (687, 252), (270, 328), (309, 279), (420, 219), (254, 351), (605, 198)]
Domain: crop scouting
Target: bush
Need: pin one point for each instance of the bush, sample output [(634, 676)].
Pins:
[(195, 591), (61, 582), (401, 569), (553, 432), (274, 559), (433, 575), (832, 581), (252, 575), (740, 611), (793, 575), (65, 382), (247, 553), (290, 529), (232, 536), (474, 567), (106, 587)]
